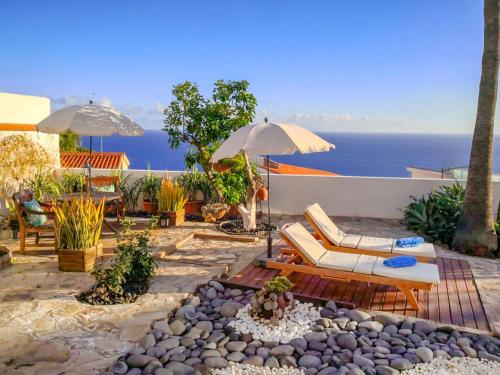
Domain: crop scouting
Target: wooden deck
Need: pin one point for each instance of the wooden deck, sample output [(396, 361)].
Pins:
[(455, 300)]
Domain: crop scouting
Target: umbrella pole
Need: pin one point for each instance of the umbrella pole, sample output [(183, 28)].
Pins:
[(90, 165), (269, 238)]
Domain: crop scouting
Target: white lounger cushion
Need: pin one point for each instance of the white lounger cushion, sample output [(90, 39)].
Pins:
[(302, 239), (424, 272), (351, 240), (365, 264), (323, 222), (425, 249), (338, 261), (376, 244)]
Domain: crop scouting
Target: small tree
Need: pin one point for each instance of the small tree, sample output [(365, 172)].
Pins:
[(204, 123), (70, 142)]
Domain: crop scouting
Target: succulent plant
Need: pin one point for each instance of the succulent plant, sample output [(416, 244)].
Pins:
[(272, 300)]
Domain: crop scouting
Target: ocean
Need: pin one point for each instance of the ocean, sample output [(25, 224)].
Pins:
[(356, 154)]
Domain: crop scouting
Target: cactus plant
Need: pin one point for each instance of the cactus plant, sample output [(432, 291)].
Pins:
[(273, 299)]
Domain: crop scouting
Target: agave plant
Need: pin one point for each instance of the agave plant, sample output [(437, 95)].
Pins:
[(78, 223), (44, 185), (171, 196)]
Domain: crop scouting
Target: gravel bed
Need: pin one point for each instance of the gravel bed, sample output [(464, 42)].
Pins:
[(455, 366), (204, 334)]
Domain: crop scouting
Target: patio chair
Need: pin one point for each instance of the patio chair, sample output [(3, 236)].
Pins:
[(24, 226), (333, 238), (109, 184), (308, 256)]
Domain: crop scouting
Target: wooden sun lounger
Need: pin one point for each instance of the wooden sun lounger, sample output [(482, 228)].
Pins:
[(423, 253), (307, 257)]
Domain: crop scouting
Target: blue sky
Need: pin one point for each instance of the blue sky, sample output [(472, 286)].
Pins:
[(351, 65)]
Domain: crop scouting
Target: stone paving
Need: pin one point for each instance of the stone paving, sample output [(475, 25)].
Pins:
[(44, 330)]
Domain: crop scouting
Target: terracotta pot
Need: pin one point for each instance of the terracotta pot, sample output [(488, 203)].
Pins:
[(193, 207), (175, 218), (79, 260), (148, 206), (233, 213), (262, 194)]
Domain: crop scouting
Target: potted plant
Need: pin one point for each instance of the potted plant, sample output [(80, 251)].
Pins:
[(272, 300), (171, 201), (149, 188), (198, 188), (77, 226)]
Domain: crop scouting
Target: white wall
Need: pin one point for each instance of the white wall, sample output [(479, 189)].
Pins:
[(376, 197), (30, 110)]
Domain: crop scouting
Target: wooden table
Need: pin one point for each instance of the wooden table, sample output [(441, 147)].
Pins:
[(96, 196)]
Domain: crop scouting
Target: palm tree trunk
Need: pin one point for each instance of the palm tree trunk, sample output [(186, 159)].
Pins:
[(475, 232)]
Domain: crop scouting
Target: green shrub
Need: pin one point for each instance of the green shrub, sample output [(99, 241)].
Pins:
[(437, 215), (278, 284), (194, 181), (74, 182)]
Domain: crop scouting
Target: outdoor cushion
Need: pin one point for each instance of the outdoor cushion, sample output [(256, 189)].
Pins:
[(365, 264), (33, 219), (351, 240), (334, 234), (425, 250), (104, 188), (423, 272), (338, 261), (304, 241), (376, 244)]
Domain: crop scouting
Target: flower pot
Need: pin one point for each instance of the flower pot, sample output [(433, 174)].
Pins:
[(193, 207), (262, 194), (79, 260), (148, 206), (175, 218), (233, 212)]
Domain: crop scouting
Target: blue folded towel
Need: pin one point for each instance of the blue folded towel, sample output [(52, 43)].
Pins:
[(409, 241), (401, 261)]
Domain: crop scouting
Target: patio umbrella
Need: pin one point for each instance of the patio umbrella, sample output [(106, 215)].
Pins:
[(271, 138), (89, 120)]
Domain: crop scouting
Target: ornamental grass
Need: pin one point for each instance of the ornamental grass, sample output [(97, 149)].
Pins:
[(171, 196), (78, 223)]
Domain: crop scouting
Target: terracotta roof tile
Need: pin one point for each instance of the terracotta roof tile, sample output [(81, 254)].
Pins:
[(100, 160), (281, 168)]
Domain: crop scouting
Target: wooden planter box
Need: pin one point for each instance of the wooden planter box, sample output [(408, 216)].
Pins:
[(6, 258), (79, 260), (194, 207), (175, 218)]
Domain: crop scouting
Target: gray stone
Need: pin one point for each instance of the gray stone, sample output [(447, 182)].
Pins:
[(215, 284), (362, 361), (358, 315), (355, 371), (401, 364), (215, 362), (211, 293), (289, 361), (134, 371), (209, 354), (327, 313), (347, 341), (341, 321), (215, 337), (309, 361), (179, 368), (254, 361), (236, 346), (424, 326), (470, 352), (328, 371), (139, 360), (489, 356), (162, 325), (386, 320), (425, 354), (282, 350), (300, 343), (391, 329), (229, 309), (169, 343), (371, 325), (316, 336), (386, 370), (152, 366), (263, 352), (236, 292), (163, 371), (272, 362), (177, 327), (120, 368), (236, 357), (205, 326)]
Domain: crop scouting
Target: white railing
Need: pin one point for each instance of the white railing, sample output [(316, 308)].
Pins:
[(376, 197)]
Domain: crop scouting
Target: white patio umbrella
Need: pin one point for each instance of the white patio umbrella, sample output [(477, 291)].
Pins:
[(271, 138), (89, 120)]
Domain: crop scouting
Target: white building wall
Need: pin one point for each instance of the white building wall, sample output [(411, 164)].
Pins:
[(27, 109)]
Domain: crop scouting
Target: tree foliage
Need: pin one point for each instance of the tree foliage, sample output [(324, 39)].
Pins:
[(70, 142), (204, 123)]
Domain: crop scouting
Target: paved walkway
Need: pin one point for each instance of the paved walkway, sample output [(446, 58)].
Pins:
[(44, 330)]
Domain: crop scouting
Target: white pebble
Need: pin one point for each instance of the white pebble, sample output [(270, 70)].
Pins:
[(295, 323), (455, 366), (239, 369)]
